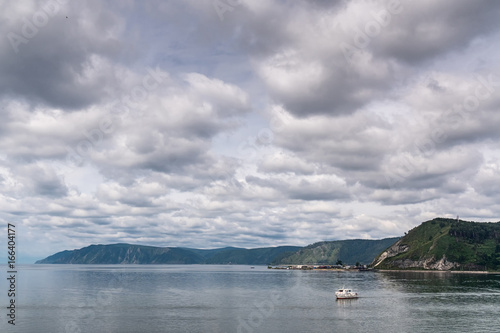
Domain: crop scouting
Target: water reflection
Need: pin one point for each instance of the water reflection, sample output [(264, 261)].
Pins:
[(231, 298), (439, 282)]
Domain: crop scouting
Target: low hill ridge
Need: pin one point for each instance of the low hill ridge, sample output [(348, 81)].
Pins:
[(439, 244), (347, 251), (142, 254), (327, 252)]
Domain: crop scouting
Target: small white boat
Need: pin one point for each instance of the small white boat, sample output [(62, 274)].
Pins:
[(345, 293)]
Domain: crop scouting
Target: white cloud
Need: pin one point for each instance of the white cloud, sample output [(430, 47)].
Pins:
[(160, 123)]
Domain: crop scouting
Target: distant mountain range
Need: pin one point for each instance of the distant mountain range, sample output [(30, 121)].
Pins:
[(348, 251), (140, 254), (439, 244), (445, 244)]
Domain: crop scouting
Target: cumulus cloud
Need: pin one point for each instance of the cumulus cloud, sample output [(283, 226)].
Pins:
[(58, 61), (338, 60), (275, 122)]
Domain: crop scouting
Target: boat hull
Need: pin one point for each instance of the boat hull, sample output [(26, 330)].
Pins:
[(347, 297)]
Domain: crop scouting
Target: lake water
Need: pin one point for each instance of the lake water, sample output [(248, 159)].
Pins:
[(206, 298)]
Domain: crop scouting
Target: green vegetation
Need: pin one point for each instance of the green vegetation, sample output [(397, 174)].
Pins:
[(346, 251), (139, 254), (349, 251), (123, 254), (464, 245), (469, 245), (250, 256)]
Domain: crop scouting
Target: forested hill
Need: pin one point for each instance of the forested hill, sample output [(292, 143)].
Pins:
[(445, 244), (348, 251), (441, 244), (139, 254), (329, 252)]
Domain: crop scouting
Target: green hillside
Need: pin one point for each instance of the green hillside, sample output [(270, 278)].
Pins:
[(251, 256), (139, 254), (124, 254), (440, 244), (328, 253), (446, 244)]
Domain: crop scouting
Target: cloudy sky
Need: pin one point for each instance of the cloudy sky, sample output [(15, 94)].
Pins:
[(250, 123)]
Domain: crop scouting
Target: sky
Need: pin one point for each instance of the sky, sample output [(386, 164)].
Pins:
[(248, 123)]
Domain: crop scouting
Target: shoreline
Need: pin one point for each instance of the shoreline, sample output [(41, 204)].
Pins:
[(376, 270), (434, 271)]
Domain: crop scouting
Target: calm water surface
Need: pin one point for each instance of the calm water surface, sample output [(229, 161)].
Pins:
[(206, 298)]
